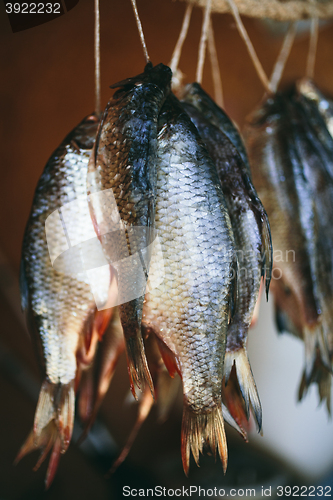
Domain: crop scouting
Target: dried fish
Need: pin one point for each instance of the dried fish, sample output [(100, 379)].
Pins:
[(189, 310), (57, 299), (122, 184), (252, 238), (281, 155), (194, 94)]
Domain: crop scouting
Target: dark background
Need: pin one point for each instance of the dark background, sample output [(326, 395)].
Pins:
[(46, 88)]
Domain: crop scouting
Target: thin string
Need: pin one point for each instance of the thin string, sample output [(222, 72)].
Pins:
[(242, 31), (282, 57), (216, 74), (97, 50), (140, 30), (203, 40), (181, 39), (311, 60)]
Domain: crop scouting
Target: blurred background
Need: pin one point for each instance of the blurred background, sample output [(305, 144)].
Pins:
[(46, 88)]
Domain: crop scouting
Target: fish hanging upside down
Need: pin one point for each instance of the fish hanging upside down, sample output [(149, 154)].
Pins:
[(122, 184), (189, 310), (56, 286), (282, 153), (252, 238)]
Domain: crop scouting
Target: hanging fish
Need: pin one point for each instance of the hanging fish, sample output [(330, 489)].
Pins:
[(252, 239), (286, 193), (59, 305), (194, 94), (317, 164), (189, 310), (323, 103), (122, 183)]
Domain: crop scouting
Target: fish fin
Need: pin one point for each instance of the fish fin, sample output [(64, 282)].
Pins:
[(145, 404), (232, 396), (101, 321), (53, 463), (200, 428), (232, 422), (267, 253), (137, 365), (53, 426), (313, 339), (322, 377), (169, 358), (101, 378), (167, 390), (324, 390), (246, 382), (266, 238)]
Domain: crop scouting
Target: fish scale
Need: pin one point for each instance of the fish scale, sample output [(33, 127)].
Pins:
[(123, 163), (280, 145), (251, 232), (197, 277), (60, 307)]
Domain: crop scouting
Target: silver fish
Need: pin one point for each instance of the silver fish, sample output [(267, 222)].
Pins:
[(122, 184), (60, 307), (252, 239), (194, 94), (189, 310), (279, 176)]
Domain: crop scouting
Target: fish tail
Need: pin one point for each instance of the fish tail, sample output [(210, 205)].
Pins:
[(91, 397), (232, 396), (53, 426), (145, 404), (137, 365), (167, 390), (313, 339), (233, 423), (324, 390), (322, 377), (246, 382), (200, 428)]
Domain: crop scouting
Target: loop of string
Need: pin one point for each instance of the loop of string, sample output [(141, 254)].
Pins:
[(140, 30), (311, 60), (97, 55), (203, 40), (216, 74), (181, 39), (243, 33), (282, 57)]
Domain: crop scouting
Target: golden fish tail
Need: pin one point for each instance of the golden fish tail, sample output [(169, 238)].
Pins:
[(53, 426), (314, 342), (200, 428), (320, 375), (137, 365)]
